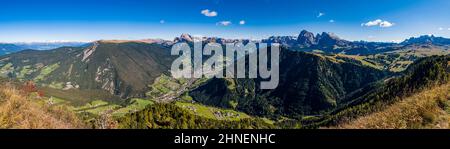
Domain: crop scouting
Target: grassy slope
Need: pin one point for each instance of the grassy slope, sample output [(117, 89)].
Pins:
[(426, 109), (18, 110)]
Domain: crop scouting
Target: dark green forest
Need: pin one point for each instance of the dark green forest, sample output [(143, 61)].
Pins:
[(169, 116)]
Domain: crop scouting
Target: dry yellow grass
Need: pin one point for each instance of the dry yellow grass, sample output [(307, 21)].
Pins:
[(21, 112), (427, 109)]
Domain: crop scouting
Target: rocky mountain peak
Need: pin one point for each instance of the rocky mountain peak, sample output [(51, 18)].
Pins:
[(330, 39), (306, 38), (184, 38)]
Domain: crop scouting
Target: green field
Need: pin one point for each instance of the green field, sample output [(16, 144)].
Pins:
[(135, 104), (96, 107), (46, 71), (212, 112)]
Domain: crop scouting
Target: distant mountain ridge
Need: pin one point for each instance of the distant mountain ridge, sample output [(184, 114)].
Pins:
[(48, 45), (427, 39), (331, 43), (305, 41), (7, 48)]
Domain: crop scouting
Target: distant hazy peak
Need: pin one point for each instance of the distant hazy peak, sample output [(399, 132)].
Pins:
[(427, 39)]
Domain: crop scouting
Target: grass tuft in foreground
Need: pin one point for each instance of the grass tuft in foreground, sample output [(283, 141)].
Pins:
[(25, 111)]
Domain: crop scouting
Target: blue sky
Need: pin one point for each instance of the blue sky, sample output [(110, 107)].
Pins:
[(88, 20)]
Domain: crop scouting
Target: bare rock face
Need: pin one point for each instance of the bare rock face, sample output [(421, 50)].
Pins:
[(89, 51), (330, 39), (106, 76), (306, 38), (284, 40)]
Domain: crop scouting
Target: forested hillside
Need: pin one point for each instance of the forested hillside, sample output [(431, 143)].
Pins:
[(169, 116), (424, 74), (310, 84)]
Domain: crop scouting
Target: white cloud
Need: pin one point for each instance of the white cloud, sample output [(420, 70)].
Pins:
[(386, 24), (331, 21), (209, 13), (372, 23), (224, 23), (448, 29), (242, 22), (379, 23), (162, 21), (440, 28), (320, 14)]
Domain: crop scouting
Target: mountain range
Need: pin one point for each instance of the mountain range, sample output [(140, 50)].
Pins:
[(7, 48), (305, 41), (331, 43), (323, 79), (126, 68)]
